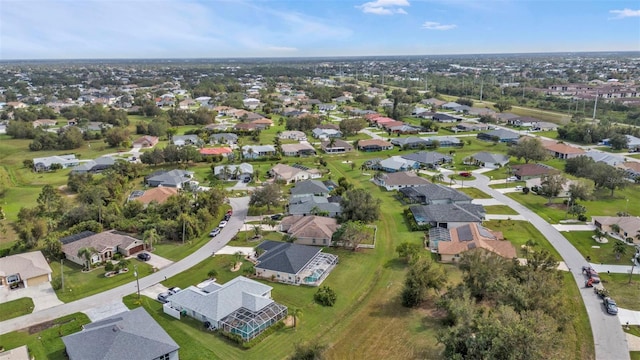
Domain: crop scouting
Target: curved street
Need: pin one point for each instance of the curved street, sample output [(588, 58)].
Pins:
[(610, 341), (240, 207)]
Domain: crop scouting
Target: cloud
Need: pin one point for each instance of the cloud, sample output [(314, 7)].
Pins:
[(432, 25), (384, 7), (624, 13)]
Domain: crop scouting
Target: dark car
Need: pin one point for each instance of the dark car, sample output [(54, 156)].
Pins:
[(174, 290), (246, 180), (227, 217), (276, 217), (611, 306), (215, 232), (144, 256), (162, 297)]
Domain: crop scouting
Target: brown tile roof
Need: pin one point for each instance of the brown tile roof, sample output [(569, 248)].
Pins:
[(533, 169), (633, 165), (315, 227), (480, 237), (216, 151), (562, 148), (100, 242), (159, 194), (370, 142), (152, 140), (404, 178)]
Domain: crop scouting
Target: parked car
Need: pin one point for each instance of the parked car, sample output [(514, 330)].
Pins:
[(611, 306), (227, 217), (592, 274), (215, 232), (246, 180), (512, 178), (222, 224), (162, 297), (519, 188), (144, 256), (276, 217), (465, 174), (173, 290), (229, 212)]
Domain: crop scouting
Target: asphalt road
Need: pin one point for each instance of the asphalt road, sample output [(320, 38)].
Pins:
[(610, 341), (240, 207)]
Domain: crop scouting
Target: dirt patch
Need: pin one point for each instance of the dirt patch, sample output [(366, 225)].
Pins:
[(557, 206), (288, 321), (64, 190), (44, 326), (237, 266)]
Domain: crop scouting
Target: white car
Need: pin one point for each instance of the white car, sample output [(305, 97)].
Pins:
[(222, 224), (519, 188), (512, 178)]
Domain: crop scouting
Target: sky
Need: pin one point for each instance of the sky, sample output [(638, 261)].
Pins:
[(105, 29)]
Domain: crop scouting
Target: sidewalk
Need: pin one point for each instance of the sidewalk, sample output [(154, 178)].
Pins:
[(486, 202), (504, 217), (576, 227), (616, 269), (630, 316)]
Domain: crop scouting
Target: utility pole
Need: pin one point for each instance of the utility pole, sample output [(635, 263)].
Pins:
[(183, 230), (481, 88), (595, 107), (135, 273), (62, 273)]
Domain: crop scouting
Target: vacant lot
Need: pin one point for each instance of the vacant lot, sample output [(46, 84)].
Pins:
[(475, 193), (500, 210), (588, 247), (625, 293), (15, 308), (519, 232)]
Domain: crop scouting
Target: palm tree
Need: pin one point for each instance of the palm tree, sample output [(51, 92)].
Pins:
[(150, 237), (87, 253), (619, 249), (615, 228), (257, 230), (296, 313), (212, 273), (439, 177)]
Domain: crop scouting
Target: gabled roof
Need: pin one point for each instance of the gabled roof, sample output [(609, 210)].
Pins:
[(396, 163), (490, 158), (427, 157), (403, 178), (374, 142), (129, 335), (170, 178), (100, 163), (606, 158), (28, 265), (292, 148), (408, 140), (502, 134), (533, 169), (285, 257), (442, 213), (315, 227), (245, 168), (474, 236), (305, 204), (100, 241), (562, 148), (159, 195), (309, 187), (434, 192), (216, 151)]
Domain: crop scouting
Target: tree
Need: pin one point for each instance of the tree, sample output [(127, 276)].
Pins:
[(360, 205), (295, 313), (408, 251), (150, 237), (576, 210), (116, 136), (502, 105), (28, 163), (212, 274), (551, 186), (619, 249), (308, 351), (49, 201), (269, 195), (580, 190), (438, 177), (423, 275), (325, 296), (618, 141), (529, 149), (87, 254), (351, 234), (350, 126)]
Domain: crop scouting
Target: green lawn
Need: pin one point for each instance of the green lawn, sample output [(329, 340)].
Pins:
[(15, 308), (78, 284), (624, 293), (507, 185), (635, 355), (475, 193), (588, 247), (500, 209), (44, 340), (581, 335), (519, 232)]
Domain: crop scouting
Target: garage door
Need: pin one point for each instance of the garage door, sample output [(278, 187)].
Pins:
[(136, 249), (37, 280)]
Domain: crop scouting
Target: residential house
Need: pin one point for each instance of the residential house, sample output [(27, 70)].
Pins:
[(309, 204), (633, 143), (544, 126), (443, 141), (291, 174), (410, 142), (310, 187), (430, 193), (240, 306), (324, 134), (251, 103), (530, 171), (310, 230), (561, 150), (451, 105), (222, 151), (223, 138), (175, 178), (293, 263), (95, 166), (293, 135), (374, 145), (629, 226), (335, 146), (500, 135), (186, 104), (104, 245), (182, 140), (262, 123), (487, 160), (327, 107), (632, 169), (133, 334), (159, 195), (564, 192), (450, 244), (403, 129), (468, 126), (246, 127), (26, 269), (481, 111), (444, 118), (146, 141), (258, 151), (234, 172), (18, 353), (301, 149), (523, 121), (399, 180), (428, 159), (506, 117), (397, 163), (45, 123), (44, 163), (609, 159), (433, 102), (448, 215)]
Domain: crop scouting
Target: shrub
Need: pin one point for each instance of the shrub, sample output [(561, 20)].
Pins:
[(525, 190), (325, 296), (56, 283), (582, 217), (108, 266)]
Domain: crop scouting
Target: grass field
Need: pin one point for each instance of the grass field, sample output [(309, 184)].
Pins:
[(46, 342), (507, 185), (475, 193), (78, 284), (500, 209), (519, 232), (588, 247), (624, 293), (15, 308), (582, 335)]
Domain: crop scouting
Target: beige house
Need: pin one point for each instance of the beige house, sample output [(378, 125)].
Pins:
[(159, 194), (30, 269), (104, 245), (310, 230), (629, 226), (450, 244), (290, 174)]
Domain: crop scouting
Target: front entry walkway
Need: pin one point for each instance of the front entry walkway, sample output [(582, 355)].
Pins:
[(43, 296)]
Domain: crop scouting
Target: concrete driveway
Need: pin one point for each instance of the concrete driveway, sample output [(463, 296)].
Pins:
[(42, 295), (106, 310), (156, 261), (153, 290)]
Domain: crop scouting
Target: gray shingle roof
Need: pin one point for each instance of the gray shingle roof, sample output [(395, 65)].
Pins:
[(489, 158), (309, 187), (285, 257), (433, 192), (170, 178), (448, 213), (427, 157), (129, 335)]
